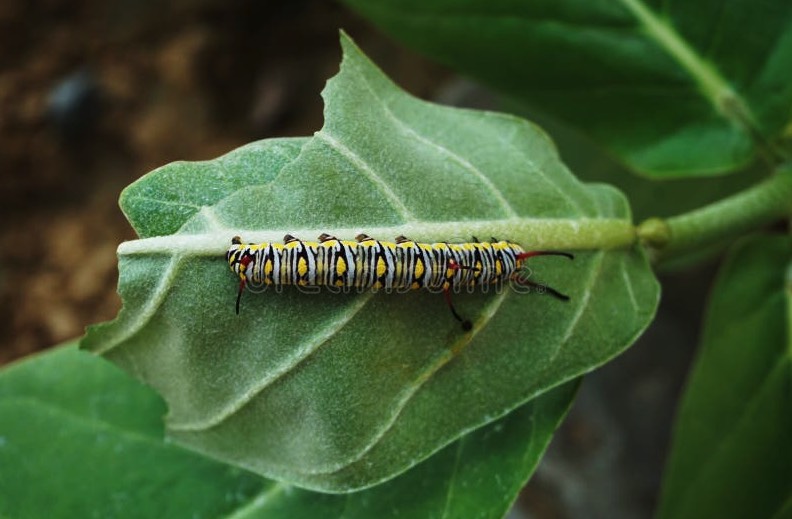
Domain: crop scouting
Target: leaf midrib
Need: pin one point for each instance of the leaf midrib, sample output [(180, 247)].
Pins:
[(727, 441), (532, 233), (714, 87), (83, 420), (748, 405)]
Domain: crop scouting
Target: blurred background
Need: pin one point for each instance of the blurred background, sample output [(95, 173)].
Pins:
[(95, 94)]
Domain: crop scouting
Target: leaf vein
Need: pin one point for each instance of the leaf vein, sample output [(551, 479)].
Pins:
[(211, 217), (723, 444), (165, 202), (259, 501), (464, 163), (93, 423), (273, 376), (151, 307), (442, 360), (452, 476), (714, 87), (628, 285), (541, 174), (591, 281), (372, 175)]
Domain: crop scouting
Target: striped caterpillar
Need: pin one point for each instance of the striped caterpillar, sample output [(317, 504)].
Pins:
[(371, 264)]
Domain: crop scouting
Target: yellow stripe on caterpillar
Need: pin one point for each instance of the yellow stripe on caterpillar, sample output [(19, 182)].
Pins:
[(367, 263)]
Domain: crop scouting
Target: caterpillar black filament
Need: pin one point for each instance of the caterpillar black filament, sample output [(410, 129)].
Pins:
[(372, 264)]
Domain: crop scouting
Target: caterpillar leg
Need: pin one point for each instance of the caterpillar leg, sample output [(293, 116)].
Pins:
[(466, 324), (456, 266), (244, 262), (540, 288), (517, 278)]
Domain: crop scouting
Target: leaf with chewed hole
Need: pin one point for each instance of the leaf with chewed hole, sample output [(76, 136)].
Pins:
[(338, 392)]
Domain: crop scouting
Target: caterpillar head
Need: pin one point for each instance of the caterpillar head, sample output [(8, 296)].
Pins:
[(239, 259)]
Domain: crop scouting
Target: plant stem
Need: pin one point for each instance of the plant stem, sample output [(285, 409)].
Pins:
[(759, 205), (709, 79)]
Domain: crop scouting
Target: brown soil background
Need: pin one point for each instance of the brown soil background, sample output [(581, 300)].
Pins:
[(150, 84)]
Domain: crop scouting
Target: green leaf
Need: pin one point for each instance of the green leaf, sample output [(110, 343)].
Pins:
[(161, 205), (648, 197), (78, 438), (732, 455), (341, 391), (674, 88)]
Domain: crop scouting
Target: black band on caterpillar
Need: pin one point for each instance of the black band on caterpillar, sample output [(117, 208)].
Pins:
[(367, 263)]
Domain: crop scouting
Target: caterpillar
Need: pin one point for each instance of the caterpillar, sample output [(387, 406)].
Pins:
[(369, 264)]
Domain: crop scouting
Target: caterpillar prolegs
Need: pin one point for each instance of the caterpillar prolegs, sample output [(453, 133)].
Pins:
[(369, 264)]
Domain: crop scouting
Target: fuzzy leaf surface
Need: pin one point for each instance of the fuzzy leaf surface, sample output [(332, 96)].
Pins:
[(94, 448), (338, 392)]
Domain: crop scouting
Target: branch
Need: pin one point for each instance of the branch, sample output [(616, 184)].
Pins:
[(731, 217)]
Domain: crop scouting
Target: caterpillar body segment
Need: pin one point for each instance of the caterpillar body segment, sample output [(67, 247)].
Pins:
[(370, 264)]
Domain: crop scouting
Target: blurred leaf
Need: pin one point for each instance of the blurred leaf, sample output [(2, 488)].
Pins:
[(732, 455), (80, 439), (674, 88), (341, 391), (653, 197), (649, 197)]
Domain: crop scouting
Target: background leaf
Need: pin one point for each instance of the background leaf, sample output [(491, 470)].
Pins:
[(731, 455), (78, 438), (674, 88), (649, 197), (341, 391)]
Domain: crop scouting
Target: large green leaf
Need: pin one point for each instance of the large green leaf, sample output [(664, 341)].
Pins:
[(674, 88), (174, 194), (79, 439), (732, 453), (648, 197), (341, 391)]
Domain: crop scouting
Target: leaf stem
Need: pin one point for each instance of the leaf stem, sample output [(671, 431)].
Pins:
[(712, 84), (731, 217)]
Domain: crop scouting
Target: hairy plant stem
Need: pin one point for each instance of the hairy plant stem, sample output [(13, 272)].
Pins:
[(731, 217)]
